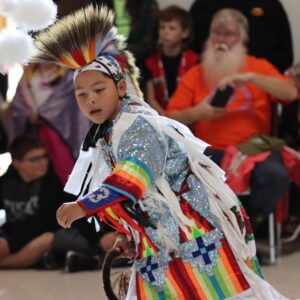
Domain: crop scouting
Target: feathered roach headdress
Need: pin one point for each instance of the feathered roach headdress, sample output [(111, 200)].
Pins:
[(81, 37)]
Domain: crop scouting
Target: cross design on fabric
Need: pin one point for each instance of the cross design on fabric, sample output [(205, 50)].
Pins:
[(203, 250), (152, 268), (149, 268)]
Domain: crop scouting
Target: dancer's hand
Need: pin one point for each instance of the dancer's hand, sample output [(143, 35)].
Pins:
[(68, 213)]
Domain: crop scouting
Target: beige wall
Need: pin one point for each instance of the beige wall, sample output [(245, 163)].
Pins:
[(184, 3), (292, 8)]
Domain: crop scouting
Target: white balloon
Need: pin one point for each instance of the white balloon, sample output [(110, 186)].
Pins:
[(16, 46), (30, 15)]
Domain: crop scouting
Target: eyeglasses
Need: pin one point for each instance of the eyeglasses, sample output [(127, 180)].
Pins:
[(225, 34), (36, 159)]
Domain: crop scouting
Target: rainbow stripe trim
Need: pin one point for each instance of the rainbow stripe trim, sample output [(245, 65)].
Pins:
[(185, 282), (129, 179), (255, 266)]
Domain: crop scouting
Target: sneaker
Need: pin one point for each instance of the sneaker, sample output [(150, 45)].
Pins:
[(76, 261), (291, 232), (122, 262), (49, 261)]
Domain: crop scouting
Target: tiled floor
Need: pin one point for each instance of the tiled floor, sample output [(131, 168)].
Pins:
[(285, 275), (55, 285)]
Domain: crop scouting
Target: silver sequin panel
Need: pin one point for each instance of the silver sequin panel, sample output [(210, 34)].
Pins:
[(202, 252), (142, 142), (197, 198), (166, 237)]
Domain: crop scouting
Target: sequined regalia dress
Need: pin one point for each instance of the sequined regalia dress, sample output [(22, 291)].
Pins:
[(193, 240)]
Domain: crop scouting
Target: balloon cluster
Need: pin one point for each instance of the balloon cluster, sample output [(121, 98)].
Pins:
[(16, 45)]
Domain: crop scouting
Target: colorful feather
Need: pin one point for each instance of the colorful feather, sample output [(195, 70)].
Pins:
[(77, 39)]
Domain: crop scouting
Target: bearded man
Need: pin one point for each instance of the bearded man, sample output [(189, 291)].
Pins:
[(256, 84)]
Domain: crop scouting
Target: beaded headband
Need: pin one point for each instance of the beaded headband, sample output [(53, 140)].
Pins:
[(106, 64)]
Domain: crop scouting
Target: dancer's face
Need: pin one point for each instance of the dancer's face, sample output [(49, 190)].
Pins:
[(97, 95)]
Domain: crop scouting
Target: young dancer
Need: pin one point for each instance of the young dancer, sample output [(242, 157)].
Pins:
[(147, 177)]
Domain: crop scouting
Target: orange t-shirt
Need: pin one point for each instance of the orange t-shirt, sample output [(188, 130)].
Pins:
[(248, 109)]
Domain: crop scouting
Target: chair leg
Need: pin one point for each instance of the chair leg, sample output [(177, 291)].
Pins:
[(278, 239), (272, 239)]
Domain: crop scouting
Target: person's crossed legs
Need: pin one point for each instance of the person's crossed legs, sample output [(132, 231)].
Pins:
[(28, 255)]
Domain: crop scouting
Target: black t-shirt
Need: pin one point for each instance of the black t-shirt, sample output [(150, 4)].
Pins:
[(30, 207), (171, 65)]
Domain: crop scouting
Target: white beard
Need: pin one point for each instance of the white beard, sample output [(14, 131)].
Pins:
[(218, 64)]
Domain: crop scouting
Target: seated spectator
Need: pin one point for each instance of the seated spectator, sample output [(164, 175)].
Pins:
[(174, 33), (256, 84), (30, 193), (44, 106), (269, 38)]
